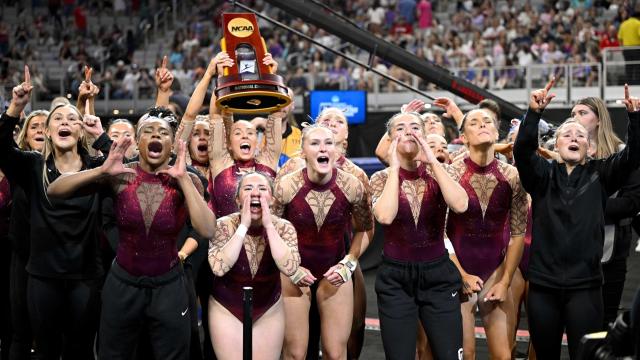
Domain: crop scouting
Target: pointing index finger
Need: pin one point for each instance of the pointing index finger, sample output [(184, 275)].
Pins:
[(27, 75), (550, 84), (626, 92), (87, 73), (164, 62), (87, 110)]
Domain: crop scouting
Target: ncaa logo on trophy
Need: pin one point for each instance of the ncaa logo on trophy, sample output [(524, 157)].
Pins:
[(248, 87)]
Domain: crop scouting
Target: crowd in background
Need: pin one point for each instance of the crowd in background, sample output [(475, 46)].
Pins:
[(473, 37)]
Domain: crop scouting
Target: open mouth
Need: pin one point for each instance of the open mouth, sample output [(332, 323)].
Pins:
[(573, 147), (323, 160), (245, 148), (203, 147), (155, 149), (441, 158), (38, 138), (63, 133), (255, 205)]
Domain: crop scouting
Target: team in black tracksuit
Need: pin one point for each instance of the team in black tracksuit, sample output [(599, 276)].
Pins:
[(568, 229)]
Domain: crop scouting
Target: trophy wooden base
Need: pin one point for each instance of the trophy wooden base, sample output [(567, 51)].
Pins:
[(251, 94)]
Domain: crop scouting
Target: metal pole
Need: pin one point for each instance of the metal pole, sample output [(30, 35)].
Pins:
[(247, 322)]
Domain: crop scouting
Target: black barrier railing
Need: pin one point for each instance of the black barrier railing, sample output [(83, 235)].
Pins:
[(247, 322)]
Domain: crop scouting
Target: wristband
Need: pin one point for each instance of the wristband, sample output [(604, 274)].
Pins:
[(298, 275), (182, 256), (349, 264), (241, 231)]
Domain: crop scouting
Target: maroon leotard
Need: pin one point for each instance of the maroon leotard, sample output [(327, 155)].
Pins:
[(321, 235), (524, 261), (227, 289), (147, 244), (478, 236), (406, 239), (223, 196)]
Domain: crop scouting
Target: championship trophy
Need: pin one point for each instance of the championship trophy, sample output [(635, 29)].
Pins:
[(248, 87)]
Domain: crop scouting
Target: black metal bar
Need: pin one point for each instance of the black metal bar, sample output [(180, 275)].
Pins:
[(247, 322), (372, 55), (339, 53), (313, 14)]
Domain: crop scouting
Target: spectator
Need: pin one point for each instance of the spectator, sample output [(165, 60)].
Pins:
[(425, 15), (629, 36), (80, 20), (609, 38), (407, 9), (65, 50)]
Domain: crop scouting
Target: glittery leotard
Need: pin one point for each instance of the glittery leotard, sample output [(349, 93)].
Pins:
[(223, 197), (417, 232), (478, 235), (524, 261), (320, 240), (227, 290), (150, 212)]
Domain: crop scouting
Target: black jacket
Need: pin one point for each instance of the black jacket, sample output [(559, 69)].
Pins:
[(64, 234), (568, 210)]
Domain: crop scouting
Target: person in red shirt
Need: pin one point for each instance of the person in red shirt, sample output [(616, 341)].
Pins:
[(80, 19), (610, 38)]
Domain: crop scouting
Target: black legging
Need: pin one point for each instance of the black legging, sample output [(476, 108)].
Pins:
[(551, 310), (614, 274), (63, 316), (22, 337), (5, 310)]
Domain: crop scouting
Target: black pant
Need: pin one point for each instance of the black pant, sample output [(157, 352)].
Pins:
[(64, 316), (552, 310), (159, 305), (615, 273), (203, 290), (430, 290), (635, 322), (195, 350), (22, 337)]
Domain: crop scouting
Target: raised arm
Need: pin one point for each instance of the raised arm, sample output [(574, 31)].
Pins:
[(164, 79), (283, 240), (228, 241), (273, 135), (615, 169), (15, 163), (385, 187), (87, 93), (454, 195), (201, 216), (451, 109), (532, 168), (67, 184), (382, 150), (197, 98), (219, 157)]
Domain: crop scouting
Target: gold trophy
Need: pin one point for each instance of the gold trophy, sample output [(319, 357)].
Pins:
[(248, 87)]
